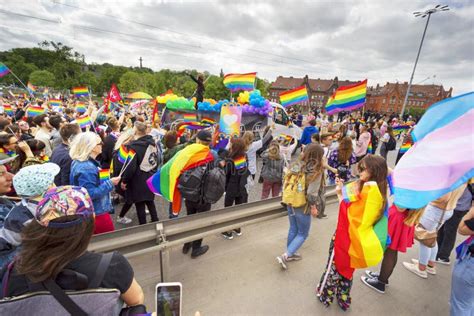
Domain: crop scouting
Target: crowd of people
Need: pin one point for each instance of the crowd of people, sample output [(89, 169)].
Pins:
[(61, 182)]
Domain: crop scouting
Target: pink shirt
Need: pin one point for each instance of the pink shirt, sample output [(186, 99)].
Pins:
[(362, 144)]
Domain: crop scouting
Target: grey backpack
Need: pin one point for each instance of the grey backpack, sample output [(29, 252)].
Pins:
[(214, 185), (49, 299)]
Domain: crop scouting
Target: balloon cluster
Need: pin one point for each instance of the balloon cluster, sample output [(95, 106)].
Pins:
[(179, 104), (165, 98), (243, 97), (206, 105), (257, 104)]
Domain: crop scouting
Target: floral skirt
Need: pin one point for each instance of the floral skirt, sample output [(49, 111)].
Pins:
[(336, 285)]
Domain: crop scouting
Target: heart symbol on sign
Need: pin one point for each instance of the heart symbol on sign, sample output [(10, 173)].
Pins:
[(230, 119)]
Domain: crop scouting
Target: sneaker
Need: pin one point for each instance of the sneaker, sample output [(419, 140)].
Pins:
[(124, 220), (322, 216), (237, 232), (199, 252), (374, 275), (374, 284), (227, 235), (294, 257), (443, 261), (414, 268), (430, 270), (186, 248), (282, 261)]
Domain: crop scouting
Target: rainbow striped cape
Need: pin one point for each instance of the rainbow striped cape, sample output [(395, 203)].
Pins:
[(165, 181), (362, 231)]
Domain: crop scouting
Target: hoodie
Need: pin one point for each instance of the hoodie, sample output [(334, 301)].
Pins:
[(307, 132)]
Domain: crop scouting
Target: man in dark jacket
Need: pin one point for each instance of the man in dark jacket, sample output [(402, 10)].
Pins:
[(109, 143), (308, 131), (138, 170), (61, 156)]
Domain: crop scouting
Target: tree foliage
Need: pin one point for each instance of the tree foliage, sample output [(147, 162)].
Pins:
[(58, 66)]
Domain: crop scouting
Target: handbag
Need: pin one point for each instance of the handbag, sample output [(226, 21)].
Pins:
[(428, 237)]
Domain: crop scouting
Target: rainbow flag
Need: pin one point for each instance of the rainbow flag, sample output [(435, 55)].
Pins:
[(84, 121), (400, 128), (131, 154), (190, 125), (236, 82), (362, 231), (35, 111), (240, 163), (80, 92), (55, 102), (81, 107), (8, 109), (31, 87), (404, 148), (441, 159), (122, 154), (189, 117), (369, 148), (294, 96), (3, 70), (208, 121), (347, 98), (350, 192), (165, 181), (104, 175)]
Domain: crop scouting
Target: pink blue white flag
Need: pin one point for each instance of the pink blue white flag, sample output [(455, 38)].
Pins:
[(442, 157)]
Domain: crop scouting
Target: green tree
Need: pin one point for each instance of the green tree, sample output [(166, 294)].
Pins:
[(109, 74), (215, 89), (89, 79), (17, 65), (42, 78)]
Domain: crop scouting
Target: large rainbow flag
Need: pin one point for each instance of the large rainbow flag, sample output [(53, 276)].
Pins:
[(442, 156), (165, 181), (362, 230), (236, 82), (347, 98), (33, 111), (294, 96)]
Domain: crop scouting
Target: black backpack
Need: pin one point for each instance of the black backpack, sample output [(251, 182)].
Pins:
[(190, 183), (392, 143), (214, 185)]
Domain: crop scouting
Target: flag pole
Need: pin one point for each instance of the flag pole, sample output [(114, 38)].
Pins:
[(21, 83)]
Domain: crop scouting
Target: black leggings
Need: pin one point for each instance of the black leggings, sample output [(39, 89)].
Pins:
[(140, 206), (125, 208), (388, 264)]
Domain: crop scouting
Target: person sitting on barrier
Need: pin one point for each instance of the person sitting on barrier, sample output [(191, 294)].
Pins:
[(54, 251)]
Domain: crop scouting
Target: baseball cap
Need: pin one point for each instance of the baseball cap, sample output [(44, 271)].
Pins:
[(204, 136), (64, 201), (35, 180)]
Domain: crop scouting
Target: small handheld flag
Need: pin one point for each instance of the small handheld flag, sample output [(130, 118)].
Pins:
[(80, 92), (34, 111), (122, 154), (84, 121), (189, 117), (31, 87), (4, 70), (104, 175)]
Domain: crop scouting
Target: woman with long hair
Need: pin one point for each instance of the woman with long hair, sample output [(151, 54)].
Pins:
[(371, 169), (56, 239), (310, 170), (252, 146), (342, 159), (387, 137), (85, 148), (272, 170), (237, 172)]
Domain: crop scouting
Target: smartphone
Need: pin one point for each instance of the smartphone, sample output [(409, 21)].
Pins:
[(169, 298)]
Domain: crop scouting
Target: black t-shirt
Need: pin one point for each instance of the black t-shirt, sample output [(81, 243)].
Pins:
[(119, 274)]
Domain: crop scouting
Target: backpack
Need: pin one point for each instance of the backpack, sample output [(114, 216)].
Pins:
[(150, 160), (190, 183), (392, 143), (294, 188), (214, 185), (48, 298), (272, 170)]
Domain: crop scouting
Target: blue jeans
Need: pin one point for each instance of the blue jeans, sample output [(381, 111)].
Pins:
[(300, 224), (462, 288)]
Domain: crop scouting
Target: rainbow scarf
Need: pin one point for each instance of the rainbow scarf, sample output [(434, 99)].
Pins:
[(240, 163), (165, 181), (104, 175), (361, 237)]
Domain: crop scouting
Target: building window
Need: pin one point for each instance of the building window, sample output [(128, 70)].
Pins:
[(383, 101)]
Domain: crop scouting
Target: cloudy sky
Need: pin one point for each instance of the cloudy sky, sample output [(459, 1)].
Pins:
[(374, 39)]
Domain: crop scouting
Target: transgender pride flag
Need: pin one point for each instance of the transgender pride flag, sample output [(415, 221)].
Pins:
[(442, 157)]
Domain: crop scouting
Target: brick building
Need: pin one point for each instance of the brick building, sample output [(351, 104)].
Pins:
[(389, 98), (319, 90)]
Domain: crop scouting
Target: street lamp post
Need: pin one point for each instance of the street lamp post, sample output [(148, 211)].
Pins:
[(425, 14)]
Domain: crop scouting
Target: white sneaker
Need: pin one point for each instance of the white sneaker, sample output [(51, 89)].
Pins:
[(282, 261), (430, 270), (414, 268), (124, 220)]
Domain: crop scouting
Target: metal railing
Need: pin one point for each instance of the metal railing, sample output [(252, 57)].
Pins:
[(161, 236)]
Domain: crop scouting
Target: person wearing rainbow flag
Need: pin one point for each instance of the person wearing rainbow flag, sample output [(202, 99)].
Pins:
[(361, 227)]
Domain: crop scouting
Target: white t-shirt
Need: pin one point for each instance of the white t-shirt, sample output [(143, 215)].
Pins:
[(385, 138), (252, 156)]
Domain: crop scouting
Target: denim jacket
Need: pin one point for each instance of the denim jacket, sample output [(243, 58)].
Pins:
[(86, 174)]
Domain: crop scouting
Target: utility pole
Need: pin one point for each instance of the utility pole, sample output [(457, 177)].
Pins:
[(140, 59), (428, 14)]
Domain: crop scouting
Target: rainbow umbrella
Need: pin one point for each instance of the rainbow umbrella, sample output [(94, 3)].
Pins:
[(139, 95)]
